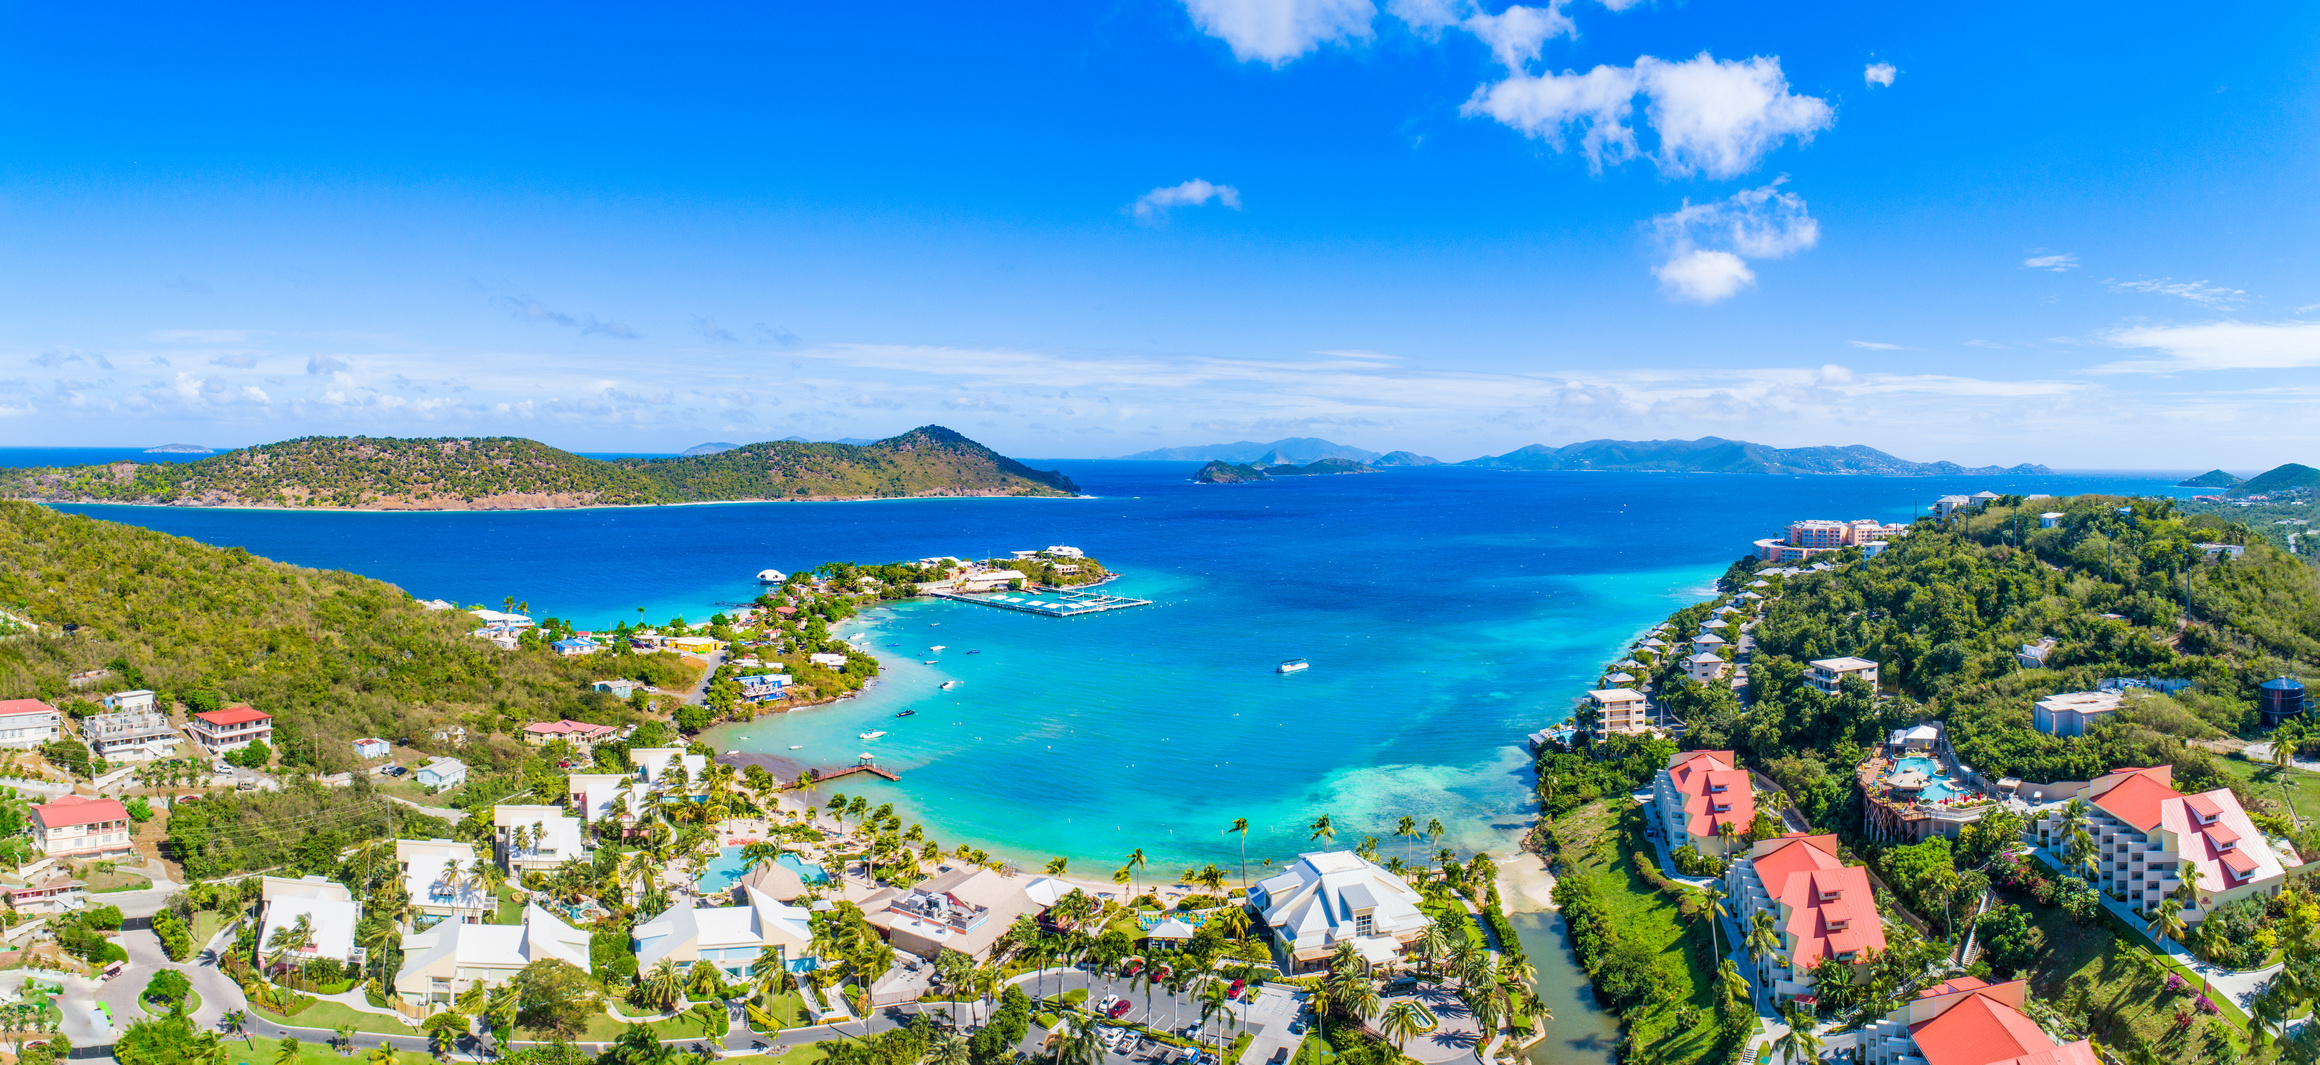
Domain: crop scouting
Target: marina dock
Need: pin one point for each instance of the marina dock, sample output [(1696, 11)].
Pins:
[(1051, 604), (822, 777)]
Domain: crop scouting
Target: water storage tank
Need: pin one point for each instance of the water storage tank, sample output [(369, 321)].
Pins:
[(2280, 700)]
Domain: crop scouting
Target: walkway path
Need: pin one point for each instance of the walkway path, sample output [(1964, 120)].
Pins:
[(2241, 986)]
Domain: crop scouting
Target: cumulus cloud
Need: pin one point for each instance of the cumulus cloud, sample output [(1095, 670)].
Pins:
[(1879, 74), (2060, 264), (1708, 245), (2199, 292), (712, 332), (318, 365), (1716, 118), (1152, 207), (525, 308), (1277, 31), (2225, 345), (235, 362), (1516, 34), (56, 357)]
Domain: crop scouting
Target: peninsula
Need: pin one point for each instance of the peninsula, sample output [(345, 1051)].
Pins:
[(1236, 473), (510, 473)]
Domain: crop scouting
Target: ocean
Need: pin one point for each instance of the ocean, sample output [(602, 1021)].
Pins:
[(1446, 613)]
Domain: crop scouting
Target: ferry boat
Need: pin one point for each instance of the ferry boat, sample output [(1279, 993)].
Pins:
[(905, 713), (949, 684), (1294, 665), (873, 734)]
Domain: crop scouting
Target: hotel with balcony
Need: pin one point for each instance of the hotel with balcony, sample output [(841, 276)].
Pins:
[(2144, 831)]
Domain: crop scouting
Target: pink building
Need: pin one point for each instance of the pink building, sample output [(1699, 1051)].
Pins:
[(1815, 536)]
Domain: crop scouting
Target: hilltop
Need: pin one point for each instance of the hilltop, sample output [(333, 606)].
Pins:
[(2210, 479), (2288, 477), (1293, 450), (1710, 454), (1239, 473), (509, 473)]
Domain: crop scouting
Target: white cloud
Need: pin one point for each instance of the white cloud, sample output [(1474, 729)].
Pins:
[(1708, 244), (1874, 345), (2062, 263), (1152, 207), (2226, 345), (1879, 74), (1277, 31), (1716, 118), (1516, 34), (317, 365), (2199, 292), (236, 362), (1704, 276)]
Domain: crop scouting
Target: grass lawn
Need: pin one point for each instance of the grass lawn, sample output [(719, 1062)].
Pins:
[(331, 1015), (510, 911), (2081, 972), (787, 1008), (1602, 838), (207, 923), (252, 1051), (602, 1028), (803, 1055), (2302, 787)]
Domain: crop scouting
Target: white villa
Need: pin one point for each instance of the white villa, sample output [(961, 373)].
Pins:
[(331, 915), (728, 937), (550, 837), (442, 878), (451, 957), (2144, 831), (652, 766), (1330, 897), (598, 796)]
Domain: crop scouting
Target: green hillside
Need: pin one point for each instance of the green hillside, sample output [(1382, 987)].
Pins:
[(506, 473), (2288, 477)]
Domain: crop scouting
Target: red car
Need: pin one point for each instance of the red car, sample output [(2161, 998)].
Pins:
[(1120, 1009), (1237, 987)]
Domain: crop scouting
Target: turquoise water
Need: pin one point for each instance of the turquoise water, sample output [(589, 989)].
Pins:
[(728, 866), (1941, 788)]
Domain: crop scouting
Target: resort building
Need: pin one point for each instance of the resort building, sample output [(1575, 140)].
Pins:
[(330, 912), (451, 957), (1620, 711), (372, 748), (1820, 907), (1820, 536), (828, 661), (2070, 713), (142, 735), (1964, 1021), (579, 734), (965, 909), (232, 729), (1705, 667), (74, 827), (604, 796), (535, 837), (1914, 789), (1828, 674), (1332, 897), (442, 774), (498, 621), (2144, 831), (728, 937), (443, 881), (1948, 505), (28, 723), (668, 767), (1704, 801)]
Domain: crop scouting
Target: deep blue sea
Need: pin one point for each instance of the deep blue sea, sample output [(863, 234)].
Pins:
[(1446, 612)]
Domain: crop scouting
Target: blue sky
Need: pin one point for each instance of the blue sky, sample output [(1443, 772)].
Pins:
[(2071, 234)]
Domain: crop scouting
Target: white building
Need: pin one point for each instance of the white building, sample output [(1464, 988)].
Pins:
[(599, 796), (141, 735), (443, 880), (1620, 711), (1828, 674), (442, 774), (449, 958), (668, 767), (232, 728), (728, 937), (2144, 830), (28, 723), (1821, 909), (1332, 897), (828, 661), (1705, 667), (331, 914), (76, 827), (2071, 713), (1698, 795), (131, 700), (550, 837), (372, 748)]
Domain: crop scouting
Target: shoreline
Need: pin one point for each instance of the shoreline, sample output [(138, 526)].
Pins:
[(538, 510)]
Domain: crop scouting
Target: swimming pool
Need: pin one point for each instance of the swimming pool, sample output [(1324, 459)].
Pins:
[(728, 866), (1940, 788)]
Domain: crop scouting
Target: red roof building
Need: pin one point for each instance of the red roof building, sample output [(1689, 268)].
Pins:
[(1821, 908), (1698, 794), (580, 734), (2144, 831), (28, 723), (74, 827), (1967, 1022), (232, 728)]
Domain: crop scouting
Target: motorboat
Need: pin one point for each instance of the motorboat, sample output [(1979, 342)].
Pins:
[(933, 662), (949, 684), (936, 649), (797, 746), (1294, 665), (873, 734), (905, 713), (974, 652)]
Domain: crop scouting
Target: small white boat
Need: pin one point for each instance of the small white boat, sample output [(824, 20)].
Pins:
[(797, 746), (937, 649), (873, 735), (1294, 665), (949, 684)]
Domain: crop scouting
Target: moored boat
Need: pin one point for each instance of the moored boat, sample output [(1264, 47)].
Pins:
[(1294, 665)]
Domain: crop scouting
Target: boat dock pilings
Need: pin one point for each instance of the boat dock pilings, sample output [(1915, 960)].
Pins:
[(1065, 605)]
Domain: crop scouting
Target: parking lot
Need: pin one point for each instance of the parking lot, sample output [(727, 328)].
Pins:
[(1153, 1005)]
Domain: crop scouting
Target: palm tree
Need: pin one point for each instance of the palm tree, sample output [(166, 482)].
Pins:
[(1433, 943), (1712, 904), (1434, 831), (759, 853), (1763, 939), (290, 939), (2168, 923), (1241, 825), (1401, 1020), (1056, 865), (2074, 819), (1407, 828), (1730, 980), (1076, 1043), (664, 984), (1322, 829), (1799, 1045), (1135, 865), (1214, 999)]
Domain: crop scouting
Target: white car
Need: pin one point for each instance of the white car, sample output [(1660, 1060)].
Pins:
[(1106, 1005)]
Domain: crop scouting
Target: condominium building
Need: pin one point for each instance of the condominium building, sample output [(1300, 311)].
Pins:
[(232, 728), (535, 837), (1828, 674), (2144, 831), (1964, 1021), (28, 723), (1818, 536), (1620, 711), (1820, 907), (441, 877), (1333, 897), (143, 735), (443, 961), (728, 937), (331, 914), (1698, 795)]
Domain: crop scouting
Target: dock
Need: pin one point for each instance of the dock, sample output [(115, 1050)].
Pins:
[(822, 777), (1049, 604)]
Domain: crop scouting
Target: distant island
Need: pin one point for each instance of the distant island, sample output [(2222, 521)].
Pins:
[(1290, 450), (2287, 477), (510, 473), (1710, 454), (180, 449), (1239, 473), (2210, 479), (1405, 458), (711, 448)]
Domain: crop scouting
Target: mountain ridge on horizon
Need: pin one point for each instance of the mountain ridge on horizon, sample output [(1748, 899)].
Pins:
[(1714, 454)]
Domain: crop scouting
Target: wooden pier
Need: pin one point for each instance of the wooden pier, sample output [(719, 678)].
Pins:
[(1049, 604), (821, 777)]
